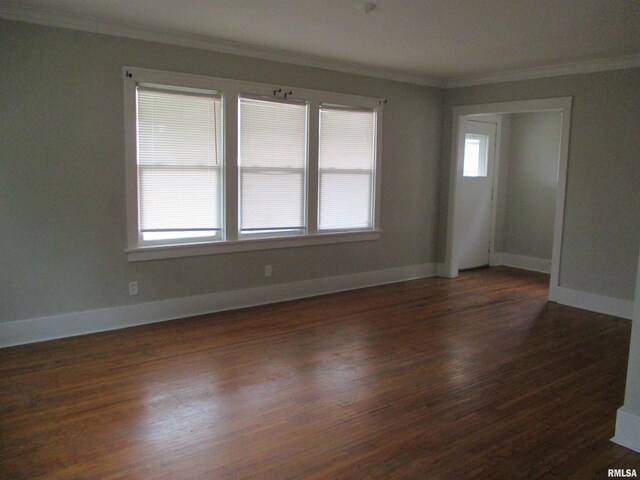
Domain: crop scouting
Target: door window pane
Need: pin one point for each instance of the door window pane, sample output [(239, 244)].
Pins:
[(475, 155)]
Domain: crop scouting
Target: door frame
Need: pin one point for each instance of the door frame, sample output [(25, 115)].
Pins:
[(560, 104)]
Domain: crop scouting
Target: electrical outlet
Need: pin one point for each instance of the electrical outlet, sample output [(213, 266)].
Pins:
[(133, 288), (267, 271)]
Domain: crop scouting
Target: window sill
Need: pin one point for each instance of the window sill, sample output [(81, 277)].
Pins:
[(244, 245)]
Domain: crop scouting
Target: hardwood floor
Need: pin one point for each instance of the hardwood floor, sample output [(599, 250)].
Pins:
[(474, 378)]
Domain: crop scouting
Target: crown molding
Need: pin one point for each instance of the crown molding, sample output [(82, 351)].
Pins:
[(25, 13), (598, 65)]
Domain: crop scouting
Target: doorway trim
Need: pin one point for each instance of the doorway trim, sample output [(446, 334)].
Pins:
[(561, 104)]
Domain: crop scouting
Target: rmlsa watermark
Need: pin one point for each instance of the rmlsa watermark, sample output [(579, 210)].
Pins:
[(622, 473)]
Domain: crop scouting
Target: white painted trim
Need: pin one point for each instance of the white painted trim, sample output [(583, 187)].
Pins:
[(223, 84), (542, 265), (229, 91), (377, 168), (589, 66), (562, 104), (515, 106), (593, 302), (248, 244), (628, 418), (79, 323), (42, 16), (561, 191), (627, 430), (312, 187)]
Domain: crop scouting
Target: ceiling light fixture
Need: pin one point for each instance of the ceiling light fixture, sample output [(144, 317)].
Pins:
[(365, 7)]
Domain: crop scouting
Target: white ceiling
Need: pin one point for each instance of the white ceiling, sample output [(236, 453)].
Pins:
[(421, 39)]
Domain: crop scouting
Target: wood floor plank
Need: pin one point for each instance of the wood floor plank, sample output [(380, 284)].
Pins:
[(473, 378)]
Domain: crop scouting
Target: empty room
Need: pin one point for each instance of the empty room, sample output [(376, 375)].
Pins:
[(319, 239)]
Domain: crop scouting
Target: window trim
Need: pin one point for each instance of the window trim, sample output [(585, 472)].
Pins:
[(230, 90), (248, 244)]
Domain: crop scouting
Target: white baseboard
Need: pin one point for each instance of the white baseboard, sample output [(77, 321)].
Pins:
[(627, 430), (591, 301), (524, 262), (79, 323), (566, 296)]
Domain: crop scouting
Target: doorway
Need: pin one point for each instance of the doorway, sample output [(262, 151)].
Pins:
[(457, 242)]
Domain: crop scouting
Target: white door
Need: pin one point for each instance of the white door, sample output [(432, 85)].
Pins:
[(477, 147)]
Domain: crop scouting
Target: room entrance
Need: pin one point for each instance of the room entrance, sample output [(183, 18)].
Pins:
[(480, 229)]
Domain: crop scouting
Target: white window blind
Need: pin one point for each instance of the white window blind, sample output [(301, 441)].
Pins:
[(272, 158), (179, 163), (346, 163)]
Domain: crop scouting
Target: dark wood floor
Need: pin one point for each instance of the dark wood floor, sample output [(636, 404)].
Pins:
[(474, 378)]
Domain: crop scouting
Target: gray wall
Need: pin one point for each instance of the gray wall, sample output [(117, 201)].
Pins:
[(503, 181), (62, 185), (62, 188), (601, 229), (532, 175)]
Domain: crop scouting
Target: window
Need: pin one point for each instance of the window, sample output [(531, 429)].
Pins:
[(345, 163), (179, 164), (475, 155), (272, 157), (217, 165)]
